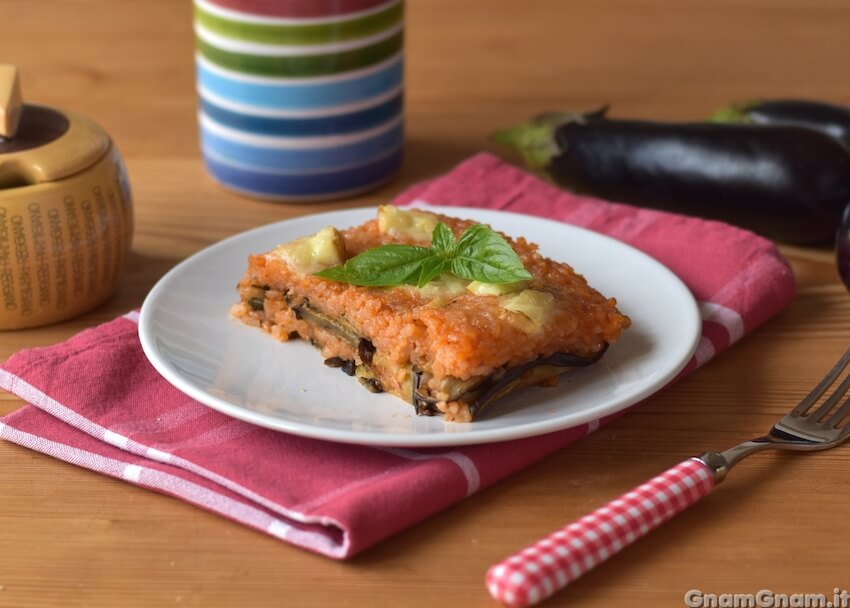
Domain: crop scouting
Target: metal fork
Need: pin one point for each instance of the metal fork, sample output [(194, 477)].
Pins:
[(550, 564)]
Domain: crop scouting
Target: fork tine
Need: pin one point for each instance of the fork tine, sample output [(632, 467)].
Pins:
[(821, 386), (839, 415), (834, 398)]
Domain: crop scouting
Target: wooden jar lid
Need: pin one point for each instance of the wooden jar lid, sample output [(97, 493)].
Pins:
[(39, 144)]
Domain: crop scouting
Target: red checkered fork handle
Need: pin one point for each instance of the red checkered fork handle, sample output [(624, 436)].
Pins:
[(550, 564)]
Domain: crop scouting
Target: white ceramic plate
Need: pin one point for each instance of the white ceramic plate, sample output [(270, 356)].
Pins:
[(188, 336)]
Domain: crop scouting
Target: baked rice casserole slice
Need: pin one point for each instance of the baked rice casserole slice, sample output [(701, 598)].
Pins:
[(449, 347)]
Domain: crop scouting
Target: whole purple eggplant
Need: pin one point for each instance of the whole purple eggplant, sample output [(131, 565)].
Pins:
[(830, 119), (789, 183)]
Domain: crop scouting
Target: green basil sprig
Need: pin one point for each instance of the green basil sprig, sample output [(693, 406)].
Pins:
[(480, 254)]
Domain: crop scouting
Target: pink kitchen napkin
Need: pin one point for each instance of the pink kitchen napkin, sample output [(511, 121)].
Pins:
[(97, 403)]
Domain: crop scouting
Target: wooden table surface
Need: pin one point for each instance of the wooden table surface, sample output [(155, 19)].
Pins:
[(70, 537)]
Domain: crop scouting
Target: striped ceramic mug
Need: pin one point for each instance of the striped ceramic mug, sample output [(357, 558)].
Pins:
[(300, 99)]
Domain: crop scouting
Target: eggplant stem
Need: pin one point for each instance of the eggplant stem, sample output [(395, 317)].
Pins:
[(535, 139), (535, 143), (735, 113)]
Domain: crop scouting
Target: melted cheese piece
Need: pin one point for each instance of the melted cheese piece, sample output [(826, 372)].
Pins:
[(495, 289), (311, 254), (444, 288), (532, 307), (418, 225)]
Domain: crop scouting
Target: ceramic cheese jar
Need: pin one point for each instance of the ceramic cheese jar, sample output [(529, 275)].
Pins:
[(65, 212)]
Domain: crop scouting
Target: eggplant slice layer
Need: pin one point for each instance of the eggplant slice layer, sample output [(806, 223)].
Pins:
[(501, 382), (476, 393)]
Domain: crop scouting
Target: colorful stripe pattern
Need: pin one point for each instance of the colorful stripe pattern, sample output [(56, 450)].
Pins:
[(300, 100)]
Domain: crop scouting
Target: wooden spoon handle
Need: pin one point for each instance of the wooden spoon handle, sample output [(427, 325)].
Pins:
[(11, 102)]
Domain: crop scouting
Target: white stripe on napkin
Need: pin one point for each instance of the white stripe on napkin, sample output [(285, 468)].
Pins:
[(464, 463), (34, 396), (177, 486)]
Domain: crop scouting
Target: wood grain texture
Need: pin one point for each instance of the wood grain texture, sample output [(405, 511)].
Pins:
[(69, 537)]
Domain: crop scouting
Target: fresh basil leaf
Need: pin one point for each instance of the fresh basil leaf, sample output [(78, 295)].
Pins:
[(487, 271), (477, 238), (480, 254), (443, 240), (431, 269), (337, 273), (484, 255), (381, 266)]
